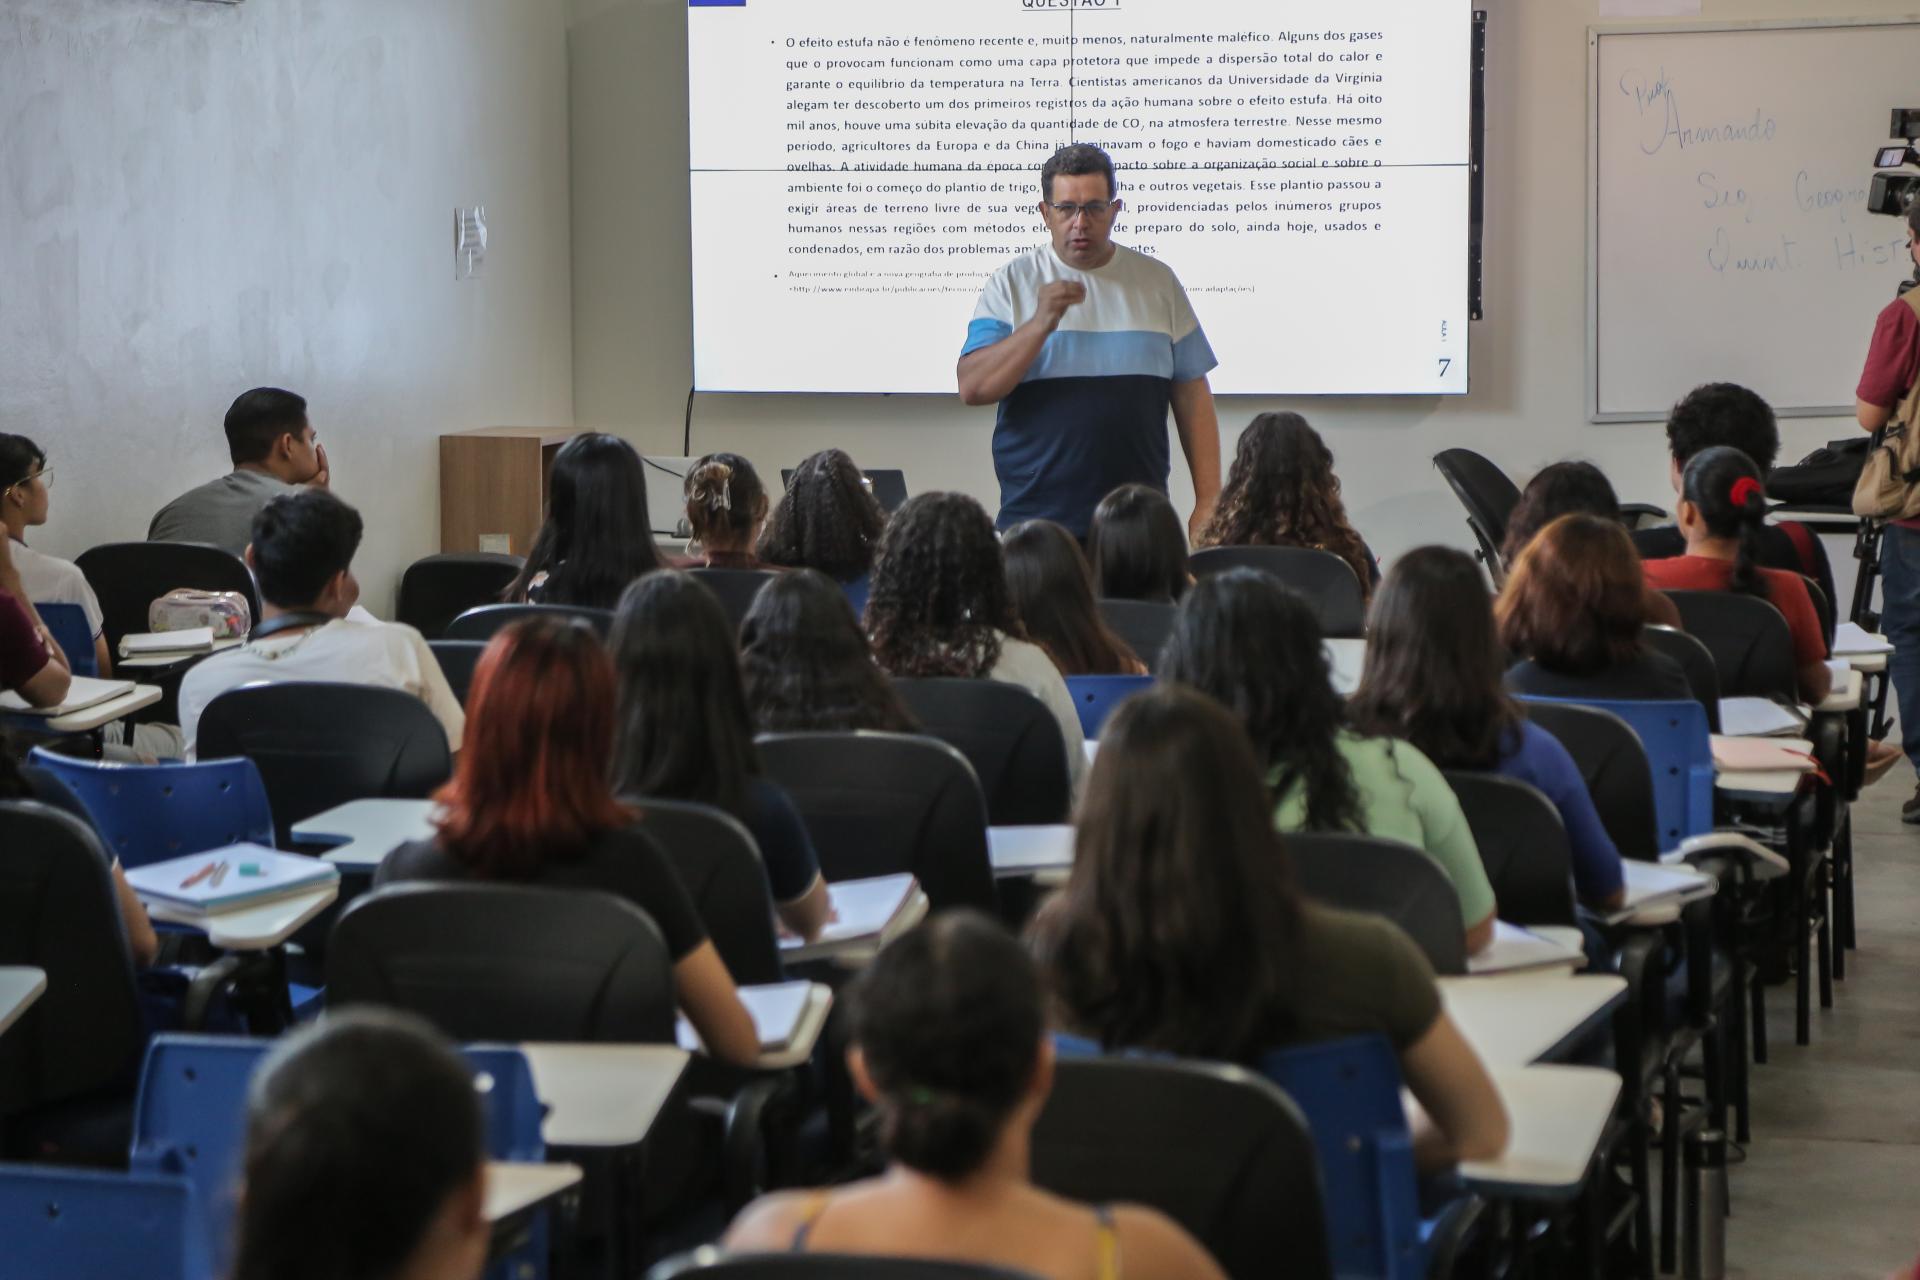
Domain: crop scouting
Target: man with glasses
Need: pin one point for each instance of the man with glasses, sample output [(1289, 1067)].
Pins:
[(1085, 345), (274, 451)]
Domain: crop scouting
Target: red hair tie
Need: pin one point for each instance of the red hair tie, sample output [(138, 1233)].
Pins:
[(1746, 487)]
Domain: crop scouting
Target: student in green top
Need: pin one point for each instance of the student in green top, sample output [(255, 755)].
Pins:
[(1256, 647)]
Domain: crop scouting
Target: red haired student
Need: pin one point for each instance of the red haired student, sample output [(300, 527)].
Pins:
[(530, 802)]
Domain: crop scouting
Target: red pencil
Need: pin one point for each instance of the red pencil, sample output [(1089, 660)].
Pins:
[(198, 876)]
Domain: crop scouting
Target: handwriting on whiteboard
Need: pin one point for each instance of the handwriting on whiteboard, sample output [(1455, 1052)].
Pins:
[(1658, 104)]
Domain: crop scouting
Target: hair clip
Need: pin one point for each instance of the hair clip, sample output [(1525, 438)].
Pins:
[(1745, 487)]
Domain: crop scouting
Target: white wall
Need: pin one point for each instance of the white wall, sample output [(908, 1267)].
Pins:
[(196, 199), (633, 360)]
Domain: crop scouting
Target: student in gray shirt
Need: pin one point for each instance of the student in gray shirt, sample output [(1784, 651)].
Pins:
[(274, 451)]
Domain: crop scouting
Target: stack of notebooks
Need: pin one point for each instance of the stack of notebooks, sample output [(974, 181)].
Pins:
[(189, 640), (229, 879), (83, 692)]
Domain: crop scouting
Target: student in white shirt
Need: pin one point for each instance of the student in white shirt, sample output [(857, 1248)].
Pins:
[(301, 555), (24, 500)]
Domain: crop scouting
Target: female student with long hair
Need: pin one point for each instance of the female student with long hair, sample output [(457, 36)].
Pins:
[(530, 803), (1180, 929), (1256, 647), (1433, 678), (940, 607), (365, 1156), (726, 509), (1281, 492), (1137, 547), (1572, 612), (26, 496), (950, 1046), (597, 537), (829, 520), (806, 664), (1723, 512), (1052, 592), (1572, 488), (684, 733)]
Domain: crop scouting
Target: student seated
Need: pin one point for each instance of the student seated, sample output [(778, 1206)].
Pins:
[(1572, 488), (950, 1046), (1433, 678), (828, 520), (1180, 929), (1053, 595), (302, 559), (365, 1156), (1723, 507), (31, 664), (684, 733), (274, 450), (1571, 615), (726, 509), (1281, 492), (597, 537), (940, 607), (530, 803), (1137, 547), (1255, 646), (806, 663), (25, 482)]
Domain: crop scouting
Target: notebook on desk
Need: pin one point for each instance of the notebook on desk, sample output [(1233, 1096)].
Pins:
[(1759, 718), (83, 692), (776, 1009), (1514, 948), (1762, 755), (866, 913), (188, 640), (1852, 638), (226, 879), (1649, 884)]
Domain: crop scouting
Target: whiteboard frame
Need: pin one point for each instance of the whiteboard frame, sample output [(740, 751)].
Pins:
[(1594, 35)]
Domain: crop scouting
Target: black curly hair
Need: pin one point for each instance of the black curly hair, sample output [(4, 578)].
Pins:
[(1281, 492), (1723, 413), (939, 603), (807, 665), (828, 520)]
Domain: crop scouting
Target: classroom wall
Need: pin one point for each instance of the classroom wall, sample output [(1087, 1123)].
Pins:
[(633, 360), (197, 198)]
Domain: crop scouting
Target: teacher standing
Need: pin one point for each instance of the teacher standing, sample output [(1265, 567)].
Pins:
[(1085, 344)]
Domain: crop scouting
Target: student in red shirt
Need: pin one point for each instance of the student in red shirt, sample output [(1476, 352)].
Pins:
[(1723, 508)]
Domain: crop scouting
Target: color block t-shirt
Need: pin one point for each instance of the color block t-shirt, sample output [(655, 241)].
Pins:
[(1091, 414)]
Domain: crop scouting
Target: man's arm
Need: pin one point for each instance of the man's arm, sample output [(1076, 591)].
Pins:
[(989, 375), (1198, 423)]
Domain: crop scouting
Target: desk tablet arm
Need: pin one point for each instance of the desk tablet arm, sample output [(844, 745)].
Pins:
[(1730, 848)]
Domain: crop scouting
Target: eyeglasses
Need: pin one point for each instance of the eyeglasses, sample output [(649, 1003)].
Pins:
[(1094, 209), (45, 477)]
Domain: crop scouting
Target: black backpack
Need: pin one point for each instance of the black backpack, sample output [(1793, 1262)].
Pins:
[(1824, 478)]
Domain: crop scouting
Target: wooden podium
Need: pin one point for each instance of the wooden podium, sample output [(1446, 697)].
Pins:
[(493, 484)]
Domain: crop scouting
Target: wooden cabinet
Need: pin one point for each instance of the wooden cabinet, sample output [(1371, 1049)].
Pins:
[(493, 483)]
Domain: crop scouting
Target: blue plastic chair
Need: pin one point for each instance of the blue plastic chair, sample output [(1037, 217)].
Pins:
[(151, 812), (1095, 697), (1349, 1091), (68, 623), (1680, 756), (60, 1223)]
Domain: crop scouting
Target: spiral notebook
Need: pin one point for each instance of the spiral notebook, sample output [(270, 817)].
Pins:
[(239, 875), (83, 692)]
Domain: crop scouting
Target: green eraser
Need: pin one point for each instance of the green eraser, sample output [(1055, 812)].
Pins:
[(251, 869)]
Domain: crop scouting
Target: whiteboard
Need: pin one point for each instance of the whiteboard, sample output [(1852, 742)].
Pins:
[(1728, 237)]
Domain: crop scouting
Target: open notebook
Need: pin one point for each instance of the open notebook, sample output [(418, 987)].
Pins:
[(1650, 884), (867, 913), (239, 875), (776, 1008), (1515, 948), (1759, 718), (83, 692), (1852, 638)]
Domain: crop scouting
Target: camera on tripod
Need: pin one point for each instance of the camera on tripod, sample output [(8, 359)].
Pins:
[(1893, 191)]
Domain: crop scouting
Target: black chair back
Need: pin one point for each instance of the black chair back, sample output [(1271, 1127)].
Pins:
[(1323, 579), (1384, 878), (1611, 758), (1487, 494), (736, 589), (58, 914), (506, 962), (457, 659), (1218, 1149), (487, 621), (437, 589), (708, 1265), (878, 804), (129, 576), (1008, 736), (1703, 677), (1748, 638), (719, 863), (1523, 845), (1144, 624), (321, 745)]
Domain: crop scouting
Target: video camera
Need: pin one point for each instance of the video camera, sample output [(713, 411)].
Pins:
[(1894, 191)]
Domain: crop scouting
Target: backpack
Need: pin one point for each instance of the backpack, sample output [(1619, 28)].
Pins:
[(1824, 478), (1889, 487)]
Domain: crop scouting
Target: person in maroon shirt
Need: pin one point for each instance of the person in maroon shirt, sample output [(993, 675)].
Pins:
[(31, 664), (1893, 368)]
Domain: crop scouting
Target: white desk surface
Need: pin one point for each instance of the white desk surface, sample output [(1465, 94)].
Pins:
[(603, 1095), (1774, 787), (91, 718), (1512, 1019), (513, 1187), (260, 928), (1868, 664), (1848, 685), (1025, 851), (20, 986), (366, 831), (1557, 1116), (162, 661)]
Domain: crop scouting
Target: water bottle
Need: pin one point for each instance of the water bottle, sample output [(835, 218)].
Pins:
[(1705, 1224)]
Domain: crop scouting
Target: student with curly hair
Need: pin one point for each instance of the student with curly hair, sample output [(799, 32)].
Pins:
[(807, 665), (1053, 594), (940, 607), (726, 509), (1281, 492), (828, 520)]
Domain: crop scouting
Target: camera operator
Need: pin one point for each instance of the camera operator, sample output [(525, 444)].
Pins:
[(1892, 374)]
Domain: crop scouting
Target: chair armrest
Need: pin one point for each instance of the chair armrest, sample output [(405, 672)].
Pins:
[(204, 984), (1761, 862)]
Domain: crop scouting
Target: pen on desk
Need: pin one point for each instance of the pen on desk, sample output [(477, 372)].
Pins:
[(219, 874), (198, 876)]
